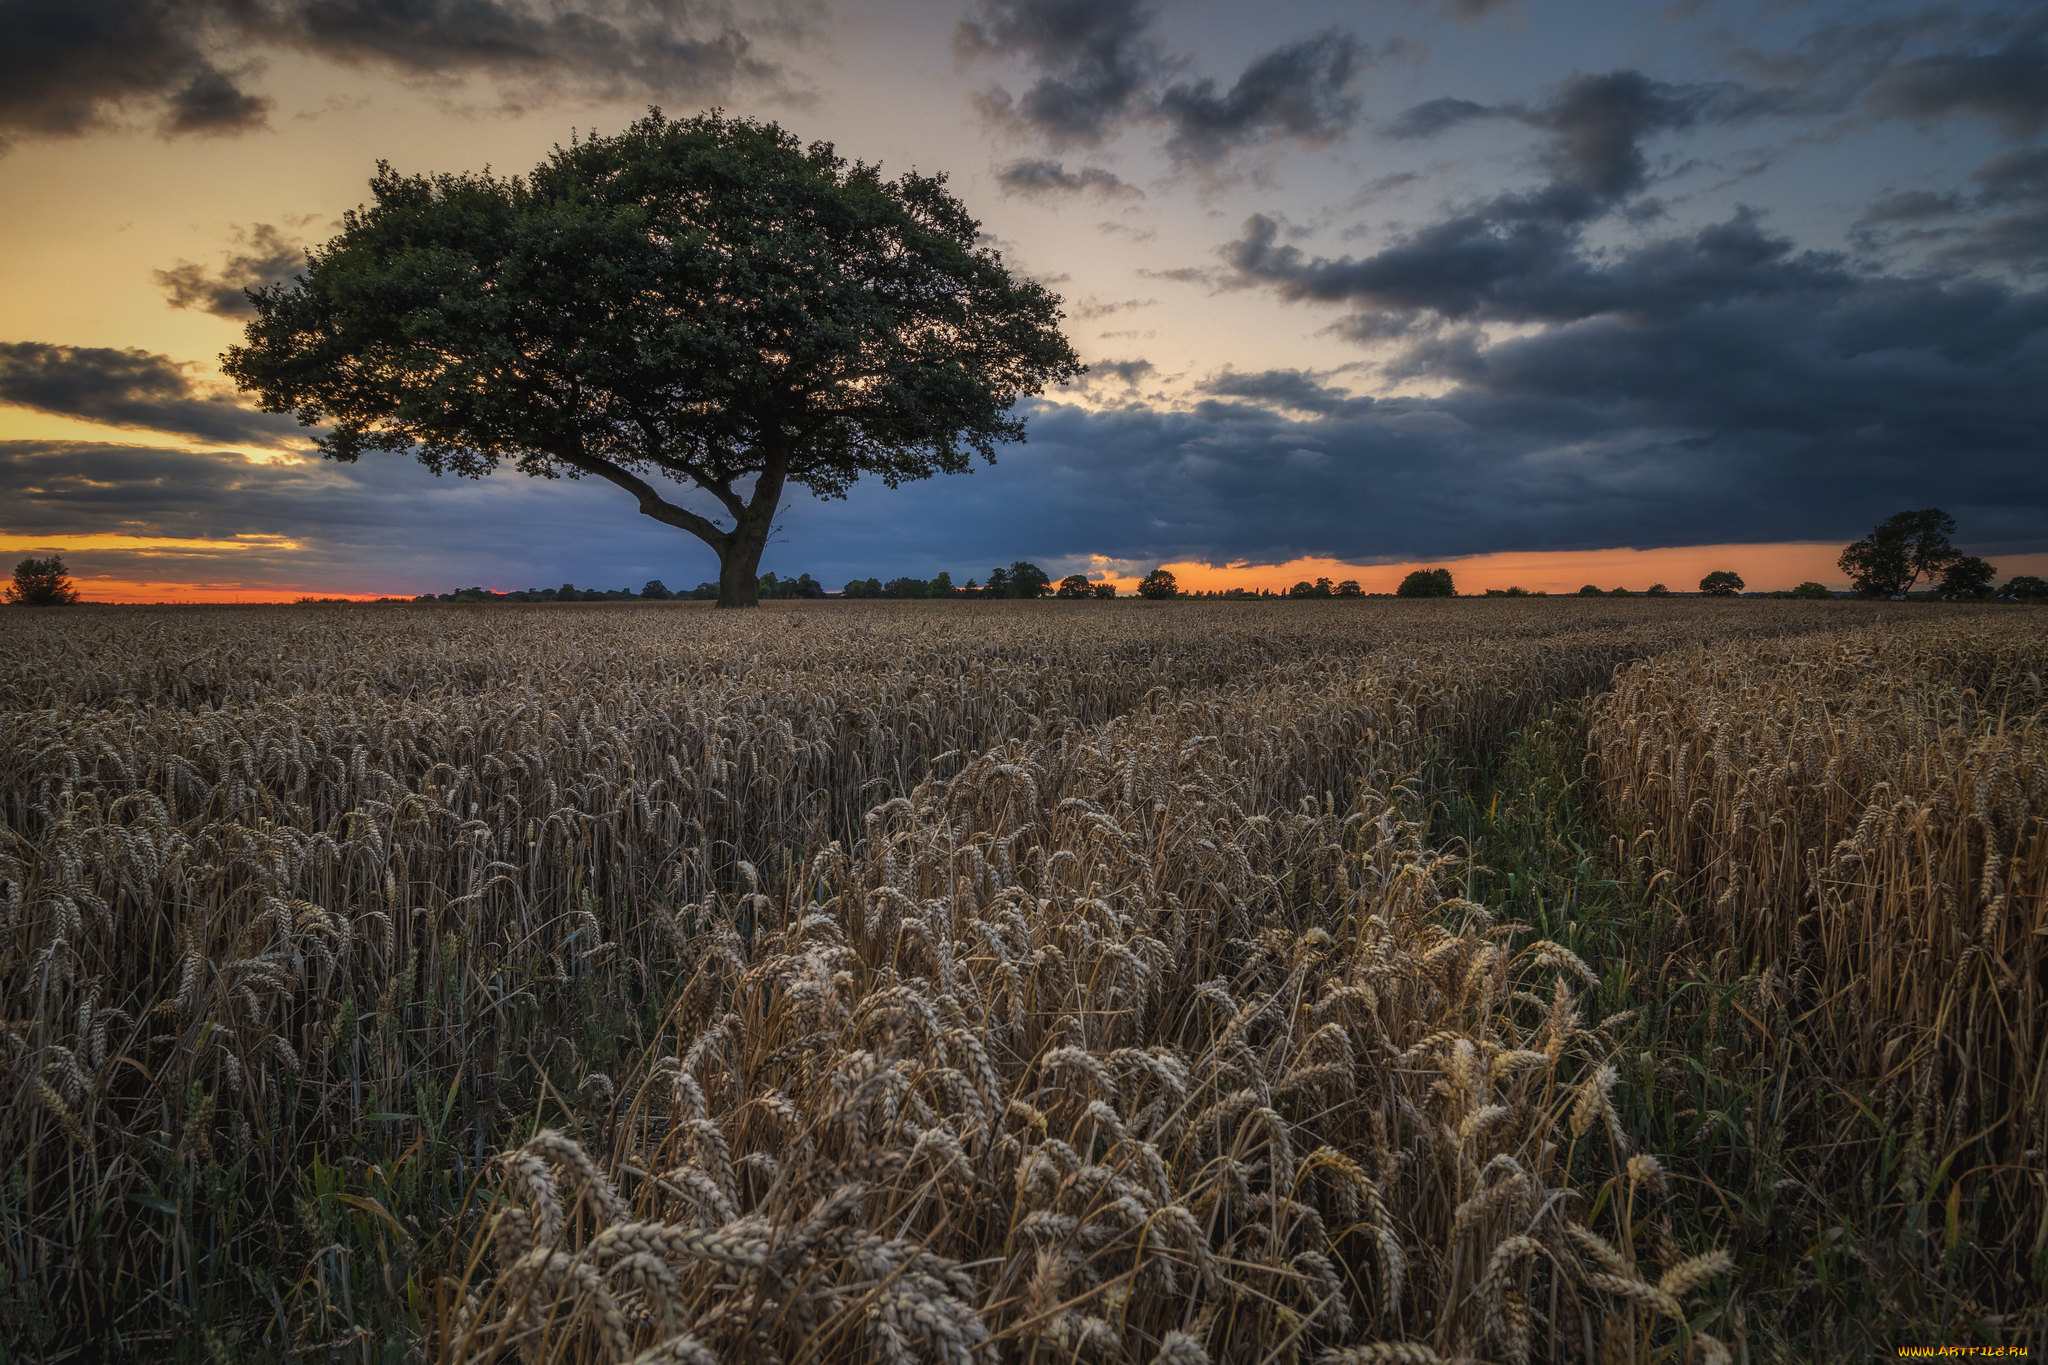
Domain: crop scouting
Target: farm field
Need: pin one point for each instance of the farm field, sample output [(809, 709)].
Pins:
[(1559, 979)]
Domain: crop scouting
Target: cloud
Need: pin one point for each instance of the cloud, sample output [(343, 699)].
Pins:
[(131, 388), (1596, 124), (1126, 372), (2006, 86), (267, 257), (1095, 59), (73, 65), (212, 103), (1283, 391), (1306, 90), (1040, 176), (1098, 67), (1431, 117), (1973, 230), (1102, 308)]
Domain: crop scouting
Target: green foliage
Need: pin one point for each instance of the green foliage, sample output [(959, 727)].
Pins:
[(41, 583), (941, 585), (863, 587), (1813, 591), (1075, 586), (1105, 591), (1721, 583), (1159, 585), (1427, 583), (1967, 576), (656, 591), (1906, 548), (705, 300), (1024, 579), (2026, 588)]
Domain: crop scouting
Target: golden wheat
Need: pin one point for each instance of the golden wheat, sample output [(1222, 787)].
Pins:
[(1862, 817), (1076, 975)]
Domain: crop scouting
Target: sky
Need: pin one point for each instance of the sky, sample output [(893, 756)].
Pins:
[(1544, 293)]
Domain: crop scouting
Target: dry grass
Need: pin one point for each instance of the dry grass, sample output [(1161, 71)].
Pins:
[(1073, 978), (1861, 819)]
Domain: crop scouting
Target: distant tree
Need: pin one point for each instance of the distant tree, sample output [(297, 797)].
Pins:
[(907, 587), (2026, 588), (1349, 588), (42, 583), (998, 583), (706, 300), (1325, 588), (1105, 591), (769, 587), (864, 587), (1906, 548), (1721, 583), (1302, 589), (1590, 590), (1619, 592), (1657, 590), (1427, 583), (704, 592), (656, 591), (804, 586), (1810, 590), (1967, 576), (1159, 585), (1074, 586), (1027, 580), (941, 585), (567, 593)]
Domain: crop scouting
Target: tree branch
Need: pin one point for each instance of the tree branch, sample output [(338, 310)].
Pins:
[(652, 504)]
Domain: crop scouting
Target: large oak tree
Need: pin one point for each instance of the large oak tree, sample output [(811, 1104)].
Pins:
[(703, 302)]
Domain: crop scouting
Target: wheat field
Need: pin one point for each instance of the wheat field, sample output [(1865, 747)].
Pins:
[(1038, 981)]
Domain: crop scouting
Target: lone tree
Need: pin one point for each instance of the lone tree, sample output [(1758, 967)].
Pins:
[(1075, 586), (41, 583), (704, 301), (1159, 585), (1907, 548), (1721, 583), (1427, 583)]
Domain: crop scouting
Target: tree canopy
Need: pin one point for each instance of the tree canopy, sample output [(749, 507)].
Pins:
[(705, 301), (1429, 583), (1159, 585), (41, 583), (1907, 548), (1722, 583)]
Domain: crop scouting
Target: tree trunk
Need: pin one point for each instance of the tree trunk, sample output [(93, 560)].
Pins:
[(739, 570), (739, 560)]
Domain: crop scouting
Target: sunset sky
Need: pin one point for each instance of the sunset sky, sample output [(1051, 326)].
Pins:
[(1546, 293)]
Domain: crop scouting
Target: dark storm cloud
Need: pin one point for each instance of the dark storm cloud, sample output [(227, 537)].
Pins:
[(1284, 391), (2007, 86), (1034, 176), (212, 103), (1306, 91), (1098, 67), (1595, 124), (65, 63), (130, 388), (1095, 60), (69, 65), (1981, 229), (266, 257)]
